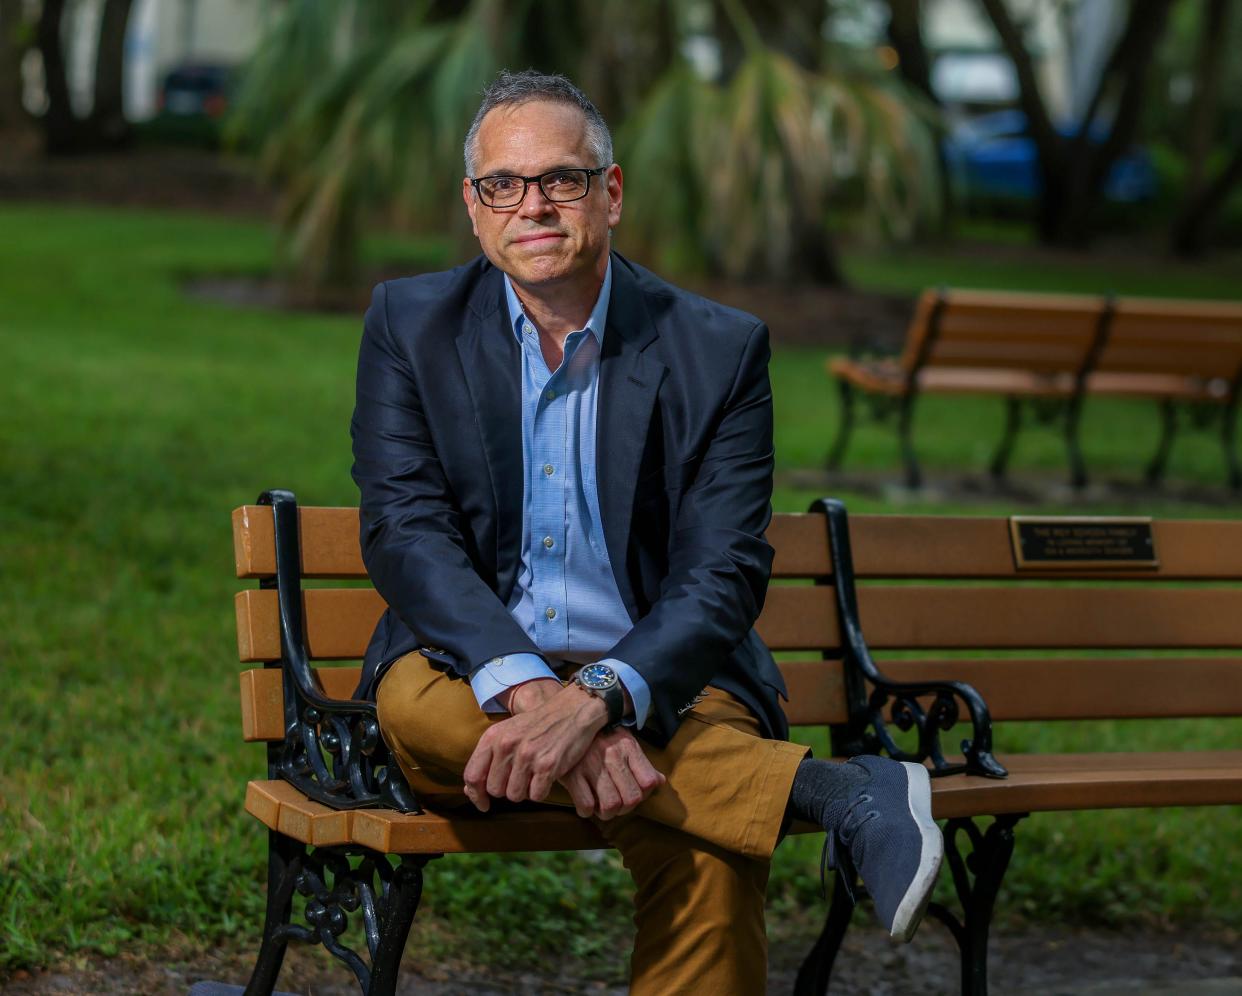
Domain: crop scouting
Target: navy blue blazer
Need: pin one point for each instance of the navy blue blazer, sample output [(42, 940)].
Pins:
[(684, 468)]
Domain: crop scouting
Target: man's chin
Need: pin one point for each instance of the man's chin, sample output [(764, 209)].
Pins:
[(540, 270)]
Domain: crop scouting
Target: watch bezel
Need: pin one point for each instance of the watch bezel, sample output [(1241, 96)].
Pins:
[(587, 680)]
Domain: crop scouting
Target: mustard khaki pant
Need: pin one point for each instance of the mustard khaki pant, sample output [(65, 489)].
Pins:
[(698, 848)]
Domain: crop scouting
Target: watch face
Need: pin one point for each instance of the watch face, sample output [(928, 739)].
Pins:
[(598, 676)]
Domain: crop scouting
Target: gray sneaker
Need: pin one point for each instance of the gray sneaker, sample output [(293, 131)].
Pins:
[(887, 835)]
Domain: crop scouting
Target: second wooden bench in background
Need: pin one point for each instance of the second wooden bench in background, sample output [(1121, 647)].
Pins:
[(1045, 355)]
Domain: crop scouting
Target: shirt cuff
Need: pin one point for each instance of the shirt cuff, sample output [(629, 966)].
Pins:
[(640, 693), (501, 673)]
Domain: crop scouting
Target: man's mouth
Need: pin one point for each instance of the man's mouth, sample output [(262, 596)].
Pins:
[(535, 237)]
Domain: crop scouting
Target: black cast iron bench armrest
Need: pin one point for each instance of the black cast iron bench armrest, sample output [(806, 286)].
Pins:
[(332, 750), (867, 731)]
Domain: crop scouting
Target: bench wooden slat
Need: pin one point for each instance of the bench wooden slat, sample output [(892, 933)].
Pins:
[(1015, 689), (329, 540), (1049, 782), (1089, 688), (885, 546), (961, 617), (339, 621), (815, 690), (263, 698), (887, 378), (930, 546)]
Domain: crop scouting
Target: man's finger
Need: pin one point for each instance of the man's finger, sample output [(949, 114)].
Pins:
[(607, 794), (476, 773), (541, 782), (580, 792), (500, 774), (627, 784), (645, 774)]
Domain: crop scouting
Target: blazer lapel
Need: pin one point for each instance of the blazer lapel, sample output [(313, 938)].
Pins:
[(492, 366), (628, 383)]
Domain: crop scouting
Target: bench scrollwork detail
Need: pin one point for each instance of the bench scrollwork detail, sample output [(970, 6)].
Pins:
[(871, 694), (332, 749)]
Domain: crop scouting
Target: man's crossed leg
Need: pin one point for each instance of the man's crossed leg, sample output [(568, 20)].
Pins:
[(698, 824)]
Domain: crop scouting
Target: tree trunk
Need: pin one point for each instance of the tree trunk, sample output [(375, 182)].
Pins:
[(1074, 170), (1190, 230), (12, 115), (813, 259), (107, 123), (62, 133), (1202, 115), (906, 35)]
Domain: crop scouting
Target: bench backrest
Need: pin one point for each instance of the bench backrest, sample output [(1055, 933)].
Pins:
[(1045, 333), (1201, 339), (944, 587)]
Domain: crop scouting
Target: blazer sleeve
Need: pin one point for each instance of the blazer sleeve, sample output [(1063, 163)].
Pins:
[(719, 561), (412, 535)]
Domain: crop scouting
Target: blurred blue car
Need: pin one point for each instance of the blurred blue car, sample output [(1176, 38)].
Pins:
[(993, 157)]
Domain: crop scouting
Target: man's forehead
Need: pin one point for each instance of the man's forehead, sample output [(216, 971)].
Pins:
[(514, 136)]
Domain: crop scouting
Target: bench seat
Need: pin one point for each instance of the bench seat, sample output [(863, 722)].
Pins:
[(1050, 782), (888, 377), (1036, 783)]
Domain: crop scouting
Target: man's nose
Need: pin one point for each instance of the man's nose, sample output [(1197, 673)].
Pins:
[(534, 203)]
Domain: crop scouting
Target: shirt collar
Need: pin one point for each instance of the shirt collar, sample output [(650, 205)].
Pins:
[(599, 314)]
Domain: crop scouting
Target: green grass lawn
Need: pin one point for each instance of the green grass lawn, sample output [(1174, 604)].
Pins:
[(136, 419)]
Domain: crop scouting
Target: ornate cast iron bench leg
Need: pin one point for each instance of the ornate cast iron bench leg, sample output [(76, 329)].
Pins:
[(284, 865), (333, 887), (990, 851), (817, 968)]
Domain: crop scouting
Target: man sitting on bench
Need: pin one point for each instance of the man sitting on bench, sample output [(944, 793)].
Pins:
[(566, 471)]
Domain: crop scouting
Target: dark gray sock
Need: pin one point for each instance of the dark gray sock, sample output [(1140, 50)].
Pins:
[(821, 790)]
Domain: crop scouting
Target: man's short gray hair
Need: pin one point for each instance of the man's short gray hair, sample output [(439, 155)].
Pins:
[(513, 89)]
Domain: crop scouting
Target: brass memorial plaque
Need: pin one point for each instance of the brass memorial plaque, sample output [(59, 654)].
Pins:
[(1049, 542)]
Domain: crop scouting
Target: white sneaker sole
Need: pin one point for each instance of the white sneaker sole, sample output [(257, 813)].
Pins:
[(914, 903)]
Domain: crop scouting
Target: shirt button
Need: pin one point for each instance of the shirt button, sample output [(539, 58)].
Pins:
[(497, 661), (550, 612), (548, 469), (550, 395), (547, 541)]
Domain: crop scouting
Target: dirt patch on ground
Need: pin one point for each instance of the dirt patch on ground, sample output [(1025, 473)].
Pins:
[(171, 178), (835, 317), (1024, 959)]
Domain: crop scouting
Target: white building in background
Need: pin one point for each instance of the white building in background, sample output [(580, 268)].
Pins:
[(1069, 41), (162, 34), (168, 33)]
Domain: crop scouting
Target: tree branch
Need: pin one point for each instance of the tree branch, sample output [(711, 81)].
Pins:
[(1045, 135)]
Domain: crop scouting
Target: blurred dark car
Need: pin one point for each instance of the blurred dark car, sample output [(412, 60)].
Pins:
[(193, 99), (993, 157)]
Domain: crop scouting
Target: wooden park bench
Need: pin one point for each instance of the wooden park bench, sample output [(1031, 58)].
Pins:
[(347, 836), (1045, 354)]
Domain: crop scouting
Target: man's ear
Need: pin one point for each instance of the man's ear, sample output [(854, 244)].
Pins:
[(614, 181), (472, 203)]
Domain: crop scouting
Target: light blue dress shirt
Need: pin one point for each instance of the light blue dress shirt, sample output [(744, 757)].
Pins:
[(566, 597)]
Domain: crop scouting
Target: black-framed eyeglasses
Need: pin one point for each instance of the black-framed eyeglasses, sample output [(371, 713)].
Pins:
[(558, 185)]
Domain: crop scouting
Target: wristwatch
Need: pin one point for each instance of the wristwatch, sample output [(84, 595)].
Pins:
[(601, 681)]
